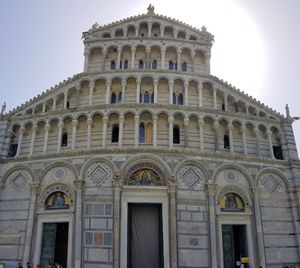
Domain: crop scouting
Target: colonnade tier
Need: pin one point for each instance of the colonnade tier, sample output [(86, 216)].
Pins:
[(163, 89), (132, 128), (157, 56)]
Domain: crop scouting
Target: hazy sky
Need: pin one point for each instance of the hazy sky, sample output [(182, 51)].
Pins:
[(256, 45)]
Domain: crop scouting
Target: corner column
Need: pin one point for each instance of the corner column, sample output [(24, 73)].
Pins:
[(136, 130), (35, 186), (186, 131), (171, 84), (86, 58), (243, 128), (107, 96), (172, 187), (89, 122), (210, 190), (155, 90), (138, 90), (171, 121), (47, 127), (79, 185), (91, 86), (256, 131), (21, 133), (200, 89), (201, 123), (269, 133), (186, 93), (133, 49), (216, 128), (104, 121), (74, 130), (60, 127), (33, 135), (121, 126), (230, 127)]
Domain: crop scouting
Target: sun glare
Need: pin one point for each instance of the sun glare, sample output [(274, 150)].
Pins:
[(238, 55)]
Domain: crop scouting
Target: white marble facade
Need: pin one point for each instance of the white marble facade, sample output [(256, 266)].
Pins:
[(146, 101)]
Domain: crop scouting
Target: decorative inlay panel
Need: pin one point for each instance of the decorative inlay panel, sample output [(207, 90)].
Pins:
[(230, 176), (59, 173), (18, 181), (99, 173), (271, 183), (191, 175)]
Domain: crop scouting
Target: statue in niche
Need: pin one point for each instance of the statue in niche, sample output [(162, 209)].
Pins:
[(57, 200)]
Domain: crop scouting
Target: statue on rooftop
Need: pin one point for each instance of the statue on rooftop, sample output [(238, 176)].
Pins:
[(287, 110), (150, 9), (3, 108)]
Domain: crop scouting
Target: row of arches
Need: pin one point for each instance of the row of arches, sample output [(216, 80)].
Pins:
[(154, 57), (150, 29), (146, 89), (145, 128)]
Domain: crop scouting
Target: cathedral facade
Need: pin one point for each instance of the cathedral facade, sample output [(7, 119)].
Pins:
[(145, 159)]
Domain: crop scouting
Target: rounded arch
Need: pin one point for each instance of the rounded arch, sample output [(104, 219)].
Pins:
[(275, 171), (84, 79), (93, 160), (159, 112), (194, 163), (84, 114), (220, 118), (237, 167), (67, 116), (131, 165), (110, 112), (18, 168), (145, 110), (66, 164), (233, 189)]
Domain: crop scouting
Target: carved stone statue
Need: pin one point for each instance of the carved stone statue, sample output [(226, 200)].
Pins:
[(3, 108), (287, 110), (150, 9)]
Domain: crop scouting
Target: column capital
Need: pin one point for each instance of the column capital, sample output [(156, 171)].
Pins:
[(119, 49), (230, 126), (108, 82), (121, 119), (200, 121), (92, 84), (216, 125), (193, 53), (154, 118), (210, 188), (74, 122), (179, 50), (133, 49), (256, 130), (22, 129), (35, 187), (243, 128), (105, 119), (79, 185), (172, 184), (87, 51), (186, 84), (200, 85), (123, 82), (34, 126), (66, 92), (255, 190), (269, 132), (170, 119), (136, 118), (89, 121), (186, 121)]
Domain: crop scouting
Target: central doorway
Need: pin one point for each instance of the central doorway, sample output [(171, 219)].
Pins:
[(234, 244), (145, 236), (55, 243)]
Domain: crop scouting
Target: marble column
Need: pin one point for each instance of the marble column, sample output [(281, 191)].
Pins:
[(117, 184), (148, 61), (78, 87), (225, 102), (154, 136), (35, 186), (179, 51), (79, 185), (256, 131), (210, 190), (138, 90), (201, 123), (74, 130), (104, 132), (186, 93), (171, 84), (230, 127), (269, 134), (155, 90), (54, 103), (244, 129), (149, 28), (65, 99), (60, 127), (216, 129), (215, 97), (21, 133), (107, 95), (200, 89), (207, 63), (171, 121), (123, 90), (133, 49), (186, 131), (172, 187), (86, 58), (47, 128), (121, 127), (136, 130), (104, 51), (33, 135), (91, 86), (119, 58), (163, 58), (89, 122), (258, 226)]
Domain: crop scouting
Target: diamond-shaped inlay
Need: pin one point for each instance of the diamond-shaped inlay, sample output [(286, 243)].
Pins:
[(190, 175), (100, 173), (270, 183), (18, 181)]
